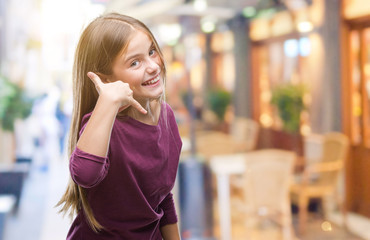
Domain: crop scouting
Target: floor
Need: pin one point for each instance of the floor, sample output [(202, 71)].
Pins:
[(317, 227), (37, 218)]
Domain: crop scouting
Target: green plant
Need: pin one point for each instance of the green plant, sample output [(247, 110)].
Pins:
[(288, 98), (218, 100), (14, 104)]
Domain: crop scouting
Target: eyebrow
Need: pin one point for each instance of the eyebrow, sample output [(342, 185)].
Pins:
[(137, 54), (133, 56)]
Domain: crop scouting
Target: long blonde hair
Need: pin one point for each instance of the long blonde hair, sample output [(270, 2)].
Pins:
[(100, 43)]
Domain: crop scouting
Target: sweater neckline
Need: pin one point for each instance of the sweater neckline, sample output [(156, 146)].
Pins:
[(142, 124)]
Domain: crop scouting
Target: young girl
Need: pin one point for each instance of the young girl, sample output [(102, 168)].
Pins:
[(124, 143)]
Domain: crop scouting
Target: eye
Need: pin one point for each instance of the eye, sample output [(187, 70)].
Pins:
[(152, 52), (134, 63)]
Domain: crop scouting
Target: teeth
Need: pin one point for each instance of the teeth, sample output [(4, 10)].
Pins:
[(152, 81)]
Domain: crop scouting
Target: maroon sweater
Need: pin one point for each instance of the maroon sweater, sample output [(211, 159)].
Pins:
[(129, 191)]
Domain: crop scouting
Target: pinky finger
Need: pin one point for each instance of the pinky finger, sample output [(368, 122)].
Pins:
[(138, 106)]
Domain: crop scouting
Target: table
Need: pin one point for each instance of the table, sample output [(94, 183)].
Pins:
[(211, 143), (223, 166)]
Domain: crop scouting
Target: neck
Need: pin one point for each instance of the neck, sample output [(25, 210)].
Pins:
[(153, 108)]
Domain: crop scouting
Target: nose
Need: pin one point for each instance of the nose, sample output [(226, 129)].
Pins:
[(152, 65)]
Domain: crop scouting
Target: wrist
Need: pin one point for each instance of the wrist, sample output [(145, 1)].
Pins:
[(109, 102)]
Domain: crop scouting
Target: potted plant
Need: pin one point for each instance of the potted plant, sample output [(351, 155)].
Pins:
[(14, 104), (288, 99), (218, 100)]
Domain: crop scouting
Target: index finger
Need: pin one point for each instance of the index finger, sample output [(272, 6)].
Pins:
[(95, 78), (138, 106)]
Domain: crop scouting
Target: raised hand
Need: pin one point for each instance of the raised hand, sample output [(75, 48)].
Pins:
[(118, 92)]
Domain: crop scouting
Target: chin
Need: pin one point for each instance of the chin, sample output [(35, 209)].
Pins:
[(157, 98), (158, 93)]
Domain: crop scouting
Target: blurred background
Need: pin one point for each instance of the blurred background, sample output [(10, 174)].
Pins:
[(272, 100)]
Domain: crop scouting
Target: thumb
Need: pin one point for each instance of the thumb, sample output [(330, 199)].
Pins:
[(95, 79)]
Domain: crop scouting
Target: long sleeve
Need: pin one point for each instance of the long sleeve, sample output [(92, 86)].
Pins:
[(87, 170), (139, 172), (168, 207)]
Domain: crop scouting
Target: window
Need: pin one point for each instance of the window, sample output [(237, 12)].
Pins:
[(360, 85)]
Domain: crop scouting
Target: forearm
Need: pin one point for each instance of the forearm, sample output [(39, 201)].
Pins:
[(87, 170), (170, 232), (96, 135)]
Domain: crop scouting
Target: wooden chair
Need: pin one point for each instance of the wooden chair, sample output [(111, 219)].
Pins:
[(212, 143), (320, 178), (312, 148), (245, 133), (267, 180)]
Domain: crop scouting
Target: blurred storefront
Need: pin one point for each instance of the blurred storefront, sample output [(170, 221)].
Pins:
[(321, 45), (324, 45)]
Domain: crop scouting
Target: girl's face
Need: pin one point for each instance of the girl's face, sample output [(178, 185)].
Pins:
[(140, 67)]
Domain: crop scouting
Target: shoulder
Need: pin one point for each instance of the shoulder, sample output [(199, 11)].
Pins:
[(168, 113), (172, 123), (167, 108)]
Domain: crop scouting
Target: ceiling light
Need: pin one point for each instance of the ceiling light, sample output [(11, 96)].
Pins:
[(208, 27), (208, 24), (200, 5), (170, 33), (305, 26)]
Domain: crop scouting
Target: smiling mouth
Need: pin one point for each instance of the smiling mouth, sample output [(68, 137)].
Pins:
[(152, 81)]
